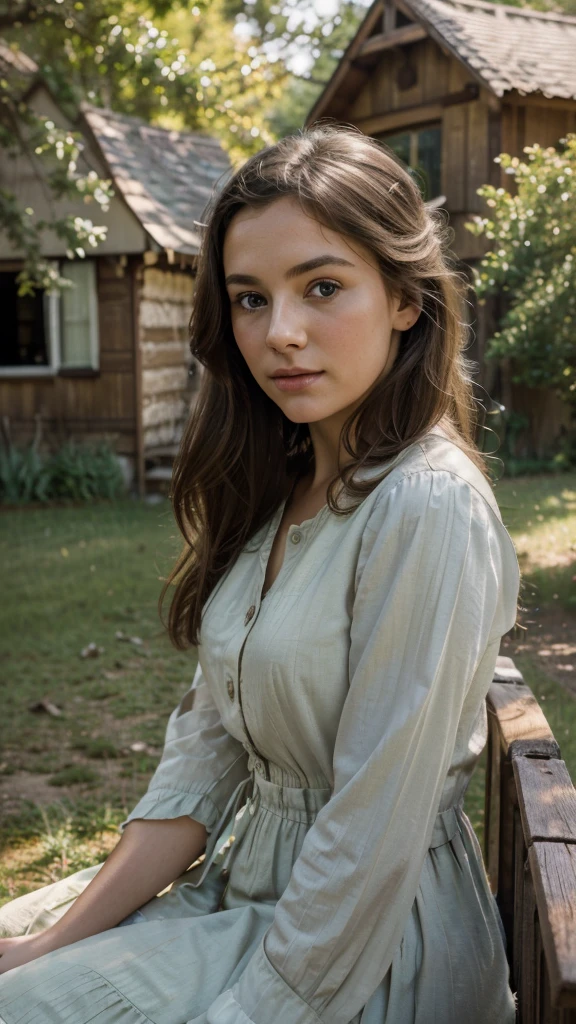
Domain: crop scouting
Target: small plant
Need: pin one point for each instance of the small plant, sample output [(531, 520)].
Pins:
[(76, 472), (98, 748), (80, 472), (75, 775)]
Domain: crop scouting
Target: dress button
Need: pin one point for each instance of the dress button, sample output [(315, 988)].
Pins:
[(225, 874), (296, 537), (230, 688), (259, 767), (250, 614)]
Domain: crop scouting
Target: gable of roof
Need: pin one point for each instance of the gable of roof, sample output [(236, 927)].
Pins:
[(505, 48), (165, 177)]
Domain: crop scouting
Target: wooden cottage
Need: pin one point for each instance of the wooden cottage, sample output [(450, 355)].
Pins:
[(109, 358), (448, 85)]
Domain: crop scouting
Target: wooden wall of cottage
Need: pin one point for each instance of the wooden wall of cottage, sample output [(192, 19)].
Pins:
[(85, 405), (474, 131), (168, 389)]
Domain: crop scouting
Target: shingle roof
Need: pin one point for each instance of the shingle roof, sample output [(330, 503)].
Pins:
[(508, 47), (166, 177)]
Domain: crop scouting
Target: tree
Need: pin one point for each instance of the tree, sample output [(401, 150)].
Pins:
[(533, 263), (223, 66)]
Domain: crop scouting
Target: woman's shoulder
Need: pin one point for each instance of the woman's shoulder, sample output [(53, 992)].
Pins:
[(434, 460)]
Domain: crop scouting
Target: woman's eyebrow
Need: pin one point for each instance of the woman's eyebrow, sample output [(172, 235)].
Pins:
[(300, 268)]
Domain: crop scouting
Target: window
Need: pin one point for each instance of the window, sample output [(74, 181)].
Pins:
[(24, 341), (46, 332), (419, 150)]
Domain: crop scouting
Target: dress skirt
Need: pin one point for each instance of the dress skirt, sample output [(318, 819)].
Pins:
[(170, 960)]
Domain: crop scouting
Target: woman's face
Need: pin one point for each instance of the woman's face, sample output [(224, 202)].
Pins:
[(310, 312)]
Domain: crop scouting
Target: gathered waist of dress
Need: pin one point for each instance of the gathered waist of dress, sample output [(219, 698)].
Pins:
[(294, 803), (302, 804)]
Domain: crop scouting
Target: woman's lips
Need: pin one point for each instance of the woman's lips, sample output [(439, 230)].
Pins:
[(297, 381)]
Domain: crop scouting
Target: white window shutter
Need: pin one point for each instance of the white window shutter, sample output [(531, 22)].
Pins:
[(79, 316)]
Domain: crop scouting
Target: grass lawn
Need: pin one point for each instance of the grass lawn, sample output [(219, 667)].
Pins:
[(77, 576)]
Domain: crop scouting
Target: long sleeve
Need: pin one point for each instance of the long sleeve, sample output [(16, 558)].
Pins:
[(435, 589), (201, 763)]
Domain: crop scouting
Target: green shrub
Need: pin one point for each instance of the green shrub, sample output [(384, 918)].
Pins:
[(80, 472), (76, 472), (23, 475)]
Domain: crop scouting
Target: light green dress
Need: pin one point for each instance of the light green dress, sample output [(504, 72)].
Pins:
[(333, 727)]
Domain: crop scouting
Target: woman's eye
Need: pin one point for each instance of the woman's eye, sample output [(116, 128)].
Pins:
[(248, 295), (332, 287), (327, 284)]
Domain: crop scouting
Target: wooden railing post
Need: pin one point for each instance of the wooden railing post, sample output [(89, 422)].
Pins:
[(530, 850)]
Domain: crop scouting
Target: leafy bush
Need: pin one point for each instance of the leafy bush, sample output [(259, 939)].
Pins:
[(532, 262), (80, 472), (23, 475), (508, 427), (75, 473)]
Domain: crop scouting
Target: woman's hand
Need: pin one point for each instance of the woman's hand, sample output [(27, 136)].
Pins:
[(21, 949)]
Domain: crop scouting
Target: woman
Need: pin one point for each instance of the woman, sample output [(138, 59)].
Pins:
[(347, 579)]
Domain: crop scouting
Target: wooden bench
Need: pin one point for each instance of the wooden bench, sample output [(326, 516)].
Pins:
[(530, 849)]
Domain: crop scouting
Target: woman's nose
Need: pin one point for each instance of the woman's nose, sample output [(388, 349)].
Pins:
[(286, 328)]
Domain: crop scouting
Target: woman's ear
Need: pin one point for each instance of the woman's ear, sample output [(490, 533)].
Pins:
[(406, 316)]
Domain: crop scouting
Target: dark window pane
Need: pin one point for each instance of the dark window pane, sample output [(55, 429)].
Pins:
[(429, 149), (400, 144), (419, 150), (23, 338)]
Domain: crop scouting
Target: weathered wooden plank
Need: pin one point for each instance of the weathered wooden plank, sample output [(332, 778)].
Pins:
[(547, 800), (159, 355), (545, 125), (163, 314), (167, 379), (167, 285), (506, 671), (553, 870), (156, 413), (161, 336), (388, 40), (529, 966), (522, 724), (516, 952), (492, 803), (454, 135), (478, 169)]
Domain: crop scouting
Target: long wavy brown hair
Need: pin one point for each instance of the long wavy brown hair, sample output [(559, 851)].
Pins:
[(240, 455)]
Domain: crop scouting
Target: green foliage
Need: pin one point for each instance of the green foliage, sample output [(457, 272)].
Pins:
[(232, 68), (80, 472), (533, 264), (23, 475), (74, 473), (75, 775), (504, 439)]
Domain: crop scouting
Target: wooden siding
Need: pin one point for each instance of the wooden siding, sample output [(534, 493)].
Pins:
[(167, 389), (469, 138), (526, 121), (90, 407)]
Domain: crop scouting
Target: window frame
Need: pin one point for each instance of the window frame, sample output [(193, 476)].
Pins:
[(53, 327), (413, 130)]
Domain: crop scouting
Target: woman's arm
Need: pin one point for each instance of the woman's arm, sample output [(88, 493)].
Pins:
[(149, 856)]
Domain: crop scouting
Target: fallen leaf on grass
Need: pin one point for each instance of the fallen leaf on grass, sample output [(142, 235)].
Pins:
[(46, 705), (139, 747), (91, 651), (124, 638)]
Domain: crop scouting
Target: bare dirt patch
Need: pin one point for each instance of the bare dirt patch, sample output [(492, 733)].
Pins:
[(550, 640)]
